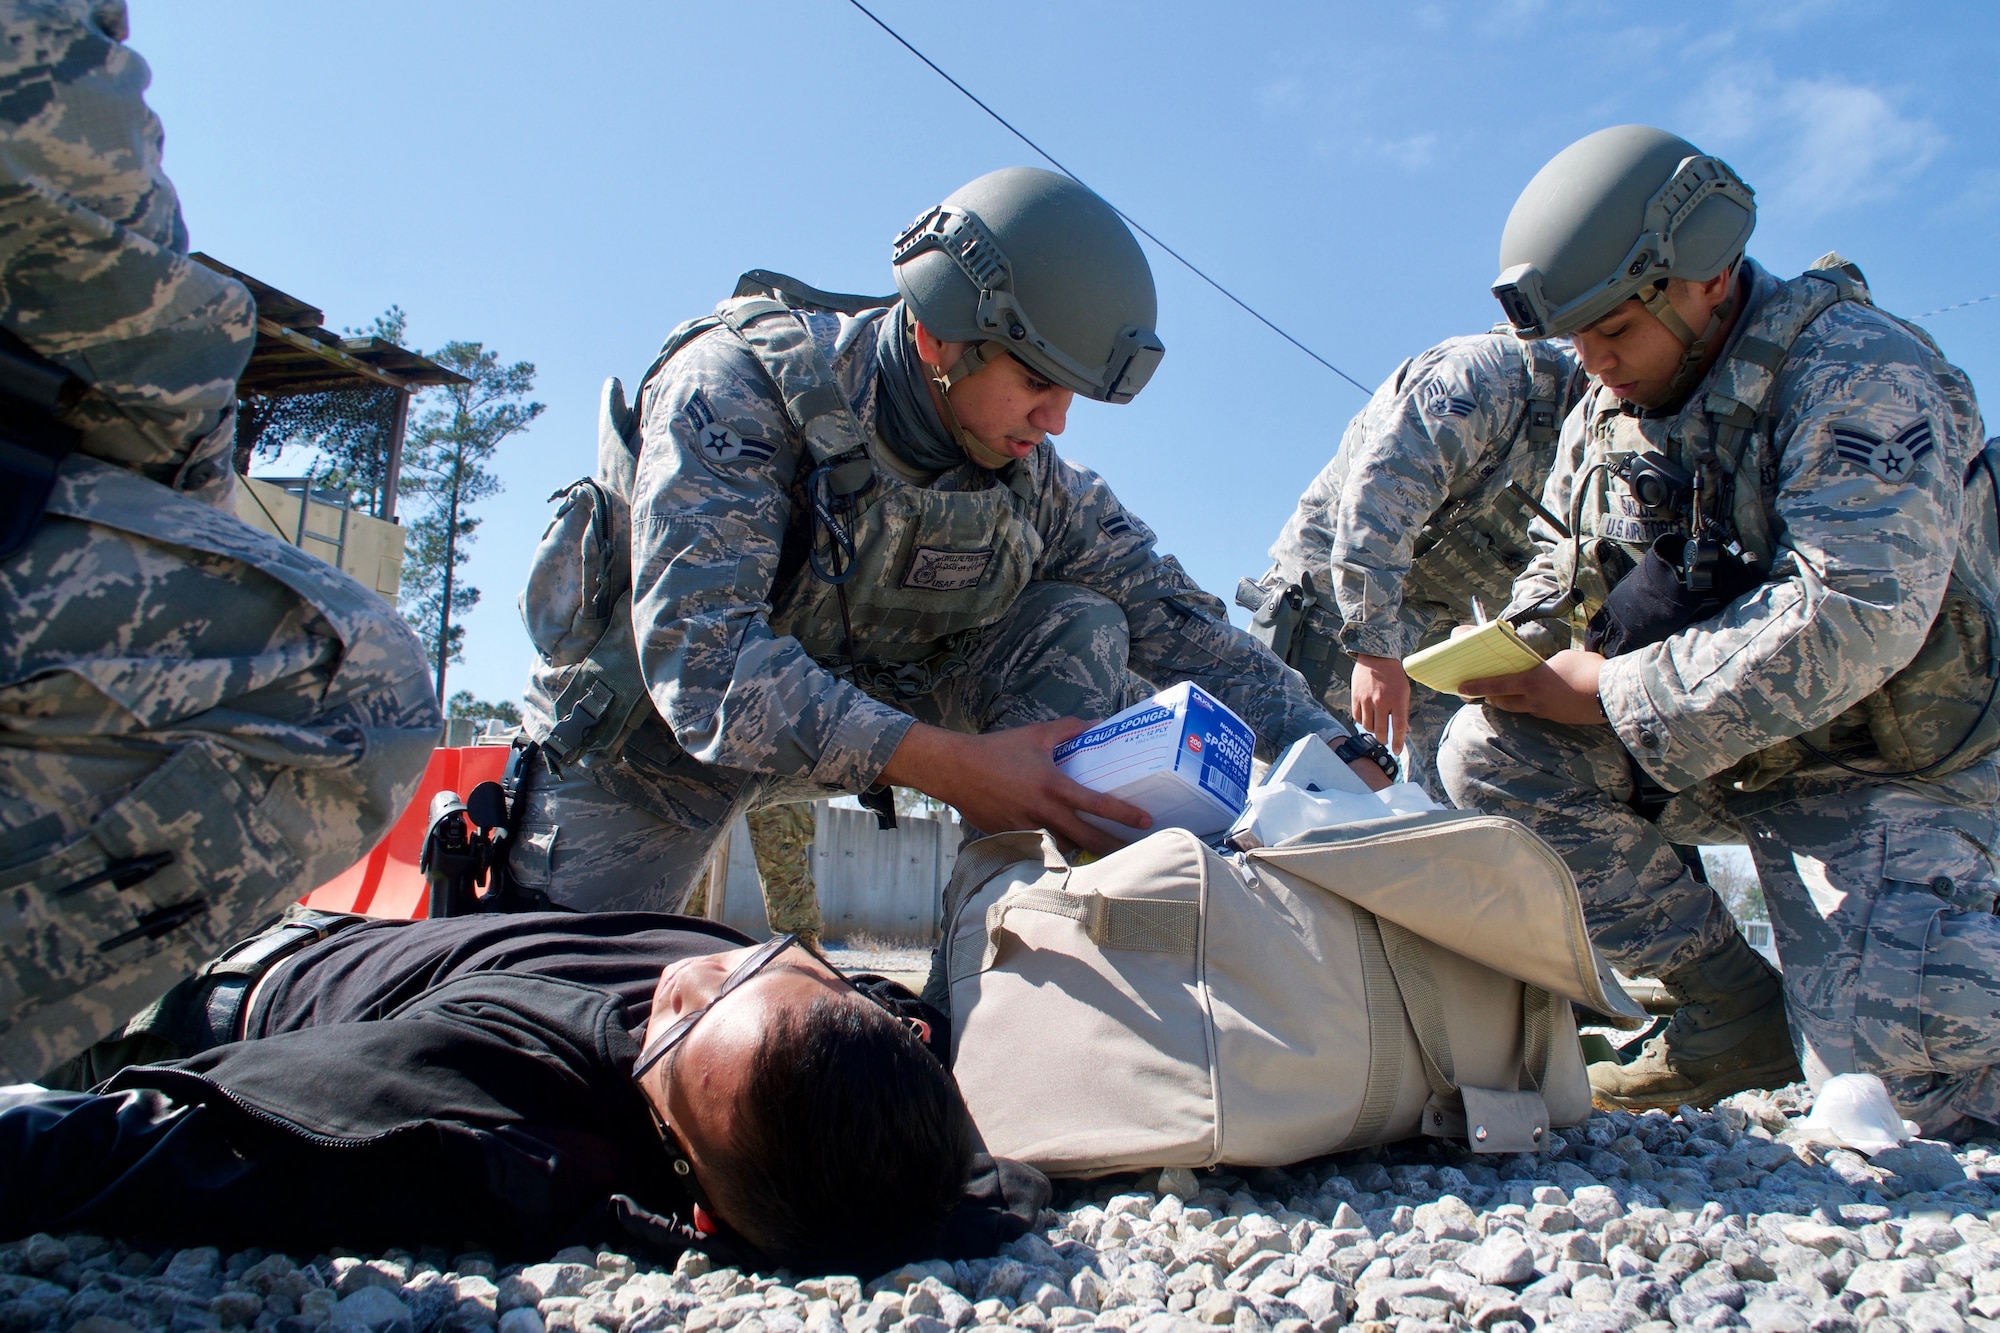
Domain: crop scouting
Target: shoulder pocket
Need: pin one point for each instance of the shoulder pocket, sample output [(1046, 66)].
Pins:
[(580, 569)]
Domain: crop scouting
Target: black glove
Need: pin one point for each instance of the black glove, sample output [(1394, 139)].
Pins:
[(1653, 601)]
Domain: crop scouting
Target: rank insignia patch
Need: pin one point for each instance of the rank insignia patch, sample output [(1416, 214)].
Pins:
[(1891, 460), (717, 443), (1439, 401)]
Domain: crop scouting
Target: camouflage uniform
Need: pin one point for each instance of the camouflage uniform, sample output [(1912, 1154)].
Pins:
[(734, 632), (197, 721), (782, 838), (1412, 518), (1881, 889)]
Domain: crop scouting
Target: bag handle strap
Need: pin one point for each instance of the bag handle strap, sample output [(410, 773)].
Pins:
[(978, 862), (1423, 1000), (1385, 1031), (1140, 925)]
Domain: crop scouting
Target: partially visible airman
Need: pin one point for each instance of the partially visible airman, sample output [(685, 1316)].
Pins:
[(198, 722), (1422, 513)]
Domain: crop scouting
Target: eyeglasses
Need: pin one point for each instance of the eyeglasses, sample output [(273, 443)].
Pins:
[(658, 1049), (662, 1046)]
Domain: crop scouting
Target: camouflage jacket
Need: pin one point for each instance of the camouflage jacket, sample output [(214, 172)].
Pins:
[(1412, 518), (1852, 484), (85, 207), (716, 490)]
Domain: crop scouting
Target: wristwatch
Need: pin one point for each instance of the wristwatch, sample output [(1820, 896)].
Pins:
[(1361, 745)]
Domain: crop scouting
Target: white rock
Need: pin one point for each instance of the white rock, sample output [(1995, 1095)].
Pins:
[(1450, 1218), (1320, 1299), (1503, 1259), (1932, 1314), (1925, 1235), (558, 1279), (1887, 1277), (1552, 1219), (1765, 1315), (1624, 1261), (1592, 1293), (1819, 1236), (372, 1309), (526, 1319)]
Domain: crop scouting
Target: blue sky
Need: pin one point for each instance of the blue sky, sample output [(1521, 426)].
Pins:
[(567, 182)]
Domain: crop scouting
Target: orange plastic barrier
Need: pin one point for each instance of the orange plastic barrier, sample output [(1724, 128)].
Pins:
[(386, 882)]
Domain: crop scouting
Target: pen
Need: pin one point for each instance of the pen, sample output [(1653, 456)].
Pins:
[(1478, 612)]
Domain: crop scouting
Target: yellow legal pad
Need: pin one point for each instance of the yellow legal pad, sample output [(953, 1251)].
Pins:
[(1494, 649)]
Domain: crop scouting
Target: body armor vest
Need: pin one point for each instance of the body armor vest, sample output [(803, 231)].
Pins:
[(1935, 716), (884, 581)]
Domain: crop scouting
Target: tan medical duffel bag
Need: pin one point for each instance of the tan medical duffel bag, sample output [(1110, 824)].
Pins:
[(1170, 1006)]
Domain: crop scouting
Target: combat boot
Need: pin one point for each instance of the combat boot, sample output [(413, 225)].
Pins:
[(1729, 1035)]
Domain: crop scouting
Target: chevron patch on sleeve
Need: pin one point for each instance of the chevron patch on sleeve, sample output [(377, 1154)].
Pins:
[(1892, 459)]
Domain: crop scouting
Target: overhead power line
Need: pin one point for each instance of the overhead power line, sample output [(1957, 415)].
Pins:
[(1944, 309), (1046, 156)]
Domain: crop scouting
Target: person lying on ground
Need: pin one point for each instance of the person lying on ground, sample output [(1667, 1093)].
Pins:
[(521, 1082)]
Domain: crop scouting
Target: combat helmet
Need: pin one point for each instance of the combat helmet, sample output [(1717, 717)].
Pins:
[(1613, 216), (1029, 262)]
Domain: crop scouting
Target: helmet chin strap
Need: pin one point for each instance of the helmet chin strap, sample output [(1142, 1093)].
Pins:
[(976, 359), (1694, 348)]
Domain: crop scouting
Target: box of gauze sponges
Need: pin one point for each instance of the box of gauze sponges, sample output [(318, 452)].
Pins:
[(1181, 756)]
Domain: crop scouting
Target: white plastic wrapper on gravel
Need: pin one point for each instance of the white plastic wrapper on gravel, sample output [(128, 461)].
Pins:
[(1704, 1220)]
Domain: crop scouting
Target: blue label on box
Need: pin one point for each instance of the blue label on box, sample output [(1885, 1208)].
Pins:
[(1216, 749)]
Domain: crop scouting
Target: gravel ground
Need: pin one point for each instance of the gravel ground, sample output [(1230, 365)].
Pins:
[(1702, 1220), (899, 961)]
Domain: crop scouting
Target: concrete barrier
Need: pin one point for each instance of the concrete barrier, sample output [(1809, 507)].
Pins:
[(883, 883)]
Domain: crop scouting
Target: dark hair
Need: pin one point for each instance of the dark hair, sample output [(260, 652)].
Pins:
[(851, 1148)]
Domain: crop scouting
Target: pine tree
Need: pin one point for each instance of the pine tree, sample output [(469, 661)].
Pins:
[(467, 704), (447, 470)]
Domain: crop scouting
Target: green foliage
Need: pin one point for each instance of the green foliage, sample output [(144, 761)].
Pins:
[(464, 704), (1733, 875), (447, 470)]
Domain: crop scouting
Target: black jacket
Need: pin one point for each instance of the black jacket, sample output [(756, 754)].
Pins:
[(495, 1109)]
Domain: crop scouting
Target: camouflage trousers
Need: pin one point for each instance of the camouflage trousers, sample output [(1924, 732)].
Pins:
[(1881, 896), (198, 724), (782, 838), (632, 835)]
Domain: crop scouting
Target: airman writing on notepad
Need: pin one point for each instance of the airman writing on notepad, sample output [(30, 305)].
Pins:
[(1775, 606)]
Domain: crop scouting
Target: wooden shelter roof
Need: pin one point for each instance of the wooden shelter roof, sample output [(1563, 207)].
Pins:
[(297, 354)]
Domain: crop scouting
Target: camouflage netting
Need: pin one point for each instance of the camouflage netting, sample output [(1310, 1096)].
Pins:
[(348, 429)]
